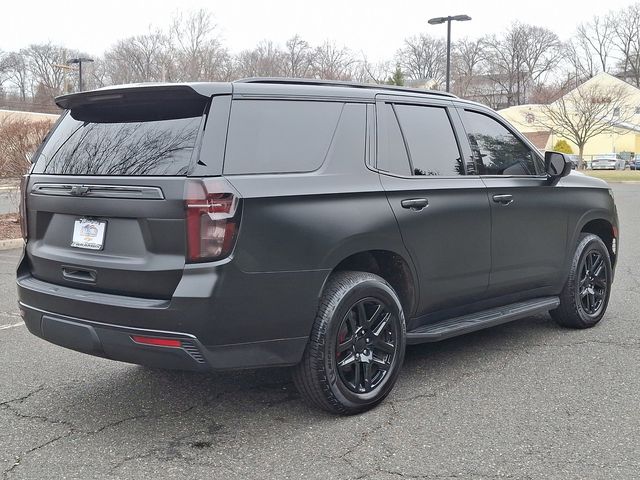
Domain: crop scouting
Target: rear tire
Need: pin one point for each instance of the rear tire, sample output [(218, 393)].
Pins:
[(357, 344), (585, 296)]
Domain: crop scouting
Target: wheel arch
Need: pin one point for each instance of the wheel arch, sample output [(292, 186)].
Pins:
[(389, 265), (606, 231)]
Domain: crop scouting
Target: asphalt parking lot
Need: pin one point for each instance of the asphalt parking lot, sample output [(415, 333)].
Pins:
[(524, 400)]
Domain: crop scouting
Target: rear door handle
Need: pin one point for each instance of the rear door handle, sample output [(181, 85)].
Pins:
[(415, 203), (503, 199)]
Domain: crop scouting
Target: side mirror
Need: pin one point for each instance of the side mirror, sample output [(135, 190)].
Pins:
[(557, 165)]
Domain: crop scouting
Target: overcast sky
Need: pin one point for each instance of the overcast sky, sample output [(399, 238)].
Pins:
[(374, 27)]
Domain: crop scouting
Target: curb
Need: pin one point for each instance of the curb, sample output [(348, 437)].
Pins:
[(11, 243)]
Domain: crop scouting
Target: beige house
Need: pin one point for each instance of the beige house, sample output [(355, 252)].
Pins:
[(624, 137)]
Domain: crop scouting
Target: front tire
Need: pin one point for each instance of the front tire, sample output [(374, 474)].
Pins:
[(585, 296), (357, 344)]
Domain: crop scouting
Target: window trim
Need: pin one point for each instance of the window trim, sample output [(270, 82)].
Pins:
[(447, 108)]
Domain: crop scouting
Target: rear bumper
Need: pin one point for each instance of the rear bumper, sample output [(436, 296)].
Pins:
[(232, 319), (117, 343), (114, 342)]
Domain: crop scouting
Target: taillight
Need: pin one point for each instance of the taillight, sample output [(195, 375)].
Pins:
[(23, 206), (213, 217)]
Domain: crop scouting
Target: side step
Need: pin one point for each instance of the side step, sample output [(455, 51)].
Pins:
[(453, 327)]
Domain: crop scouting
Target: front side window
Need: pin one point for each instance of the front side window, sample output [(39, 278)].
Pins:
[(432, 145), (495, 150)]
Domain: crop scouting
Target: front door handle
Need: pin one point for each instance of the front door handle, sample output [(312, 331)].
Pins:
[(503, 199), (415, 203)]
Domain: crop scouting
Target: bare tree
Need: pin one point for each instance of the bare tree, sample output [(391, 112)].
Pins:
[(43, 62), (297, 58), (467, 60), (17, 73), (196, 49), (331, 62), (582, 63), (626, 25), (423, 57), (142, 58), (597, 36), (380, 72), (521, 59), (266, 60), (587, 111)]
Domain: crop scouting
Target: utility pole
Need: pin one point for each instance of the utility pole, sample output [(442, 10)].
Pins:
[(80, 61), (449, 19)]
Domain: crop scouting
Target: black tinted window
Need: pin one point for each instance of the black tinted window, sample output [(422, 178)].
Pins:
[(496, 151), (273, 136), (430, 139), (113, 147), (392, 153)]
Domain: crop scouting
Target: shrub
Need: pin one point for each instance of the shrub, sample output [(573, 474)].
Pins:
[(19, 139), (562, 146)]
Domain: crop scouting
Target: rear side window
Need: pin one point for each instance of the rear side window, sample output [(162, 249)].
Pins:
[(279, 136), (432, 145), (125, 139)]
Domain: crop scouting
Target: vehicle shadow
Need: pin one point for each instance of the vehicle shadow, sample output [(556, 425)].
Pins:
[(138, 391), (198, 417)]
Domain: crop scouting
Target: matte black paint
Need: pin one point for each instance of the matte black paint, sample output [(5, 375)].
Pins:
[(465, 252)]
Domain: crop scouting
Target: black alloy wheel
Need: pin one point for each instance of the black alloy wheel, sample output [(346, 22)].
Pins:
[(366, 345), (356, 346), (593, 285)]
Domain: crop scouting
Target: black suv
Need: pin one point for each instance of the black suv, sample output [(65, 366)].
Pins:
[(276, 222)]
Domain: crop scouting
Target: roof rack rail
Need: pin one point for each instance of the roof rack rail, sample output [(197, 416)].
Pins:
[(339, 83)]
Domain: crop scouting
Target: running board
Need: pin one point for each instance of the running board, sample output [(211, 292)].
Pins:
[(453, 327)]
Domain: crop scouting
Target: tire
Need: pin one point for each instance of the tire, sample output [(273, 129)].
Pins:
[(352, 340), (585, 296)]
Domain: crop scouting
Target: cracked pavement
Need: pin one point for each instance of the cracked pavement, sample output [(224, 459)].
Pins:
[(525, 400)]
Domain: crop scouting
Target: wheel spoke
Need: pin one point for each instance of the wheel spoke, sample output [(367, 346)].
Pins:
[(583, 292), (367, 377), (590, 302), (383, 324), (381, 364), (386, 347), (357, 377), (583, 281), (589, 263), (600, 282), (362, 316), (353, 325), (347, 361), (346, 345), (598, 265)]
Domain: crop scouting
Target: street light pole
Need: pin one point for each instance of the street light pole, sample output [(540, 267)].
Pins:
[(80, 61), (449, 19)]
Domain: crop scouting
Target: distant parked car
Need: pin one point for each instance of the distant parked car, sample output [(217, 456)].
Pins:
[(634, 164), (603, 164), (575, 160)]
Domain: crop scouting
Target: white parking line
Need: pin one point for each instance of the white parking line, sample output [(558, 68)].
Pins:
[(6, 327)]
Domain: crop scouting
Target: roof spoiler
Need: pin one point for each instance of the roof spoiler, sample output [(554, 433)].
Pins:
[(128, 94)]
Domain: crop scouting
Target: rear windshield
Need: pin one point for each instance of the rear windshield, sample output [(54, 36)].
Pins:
[(121, 144)]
